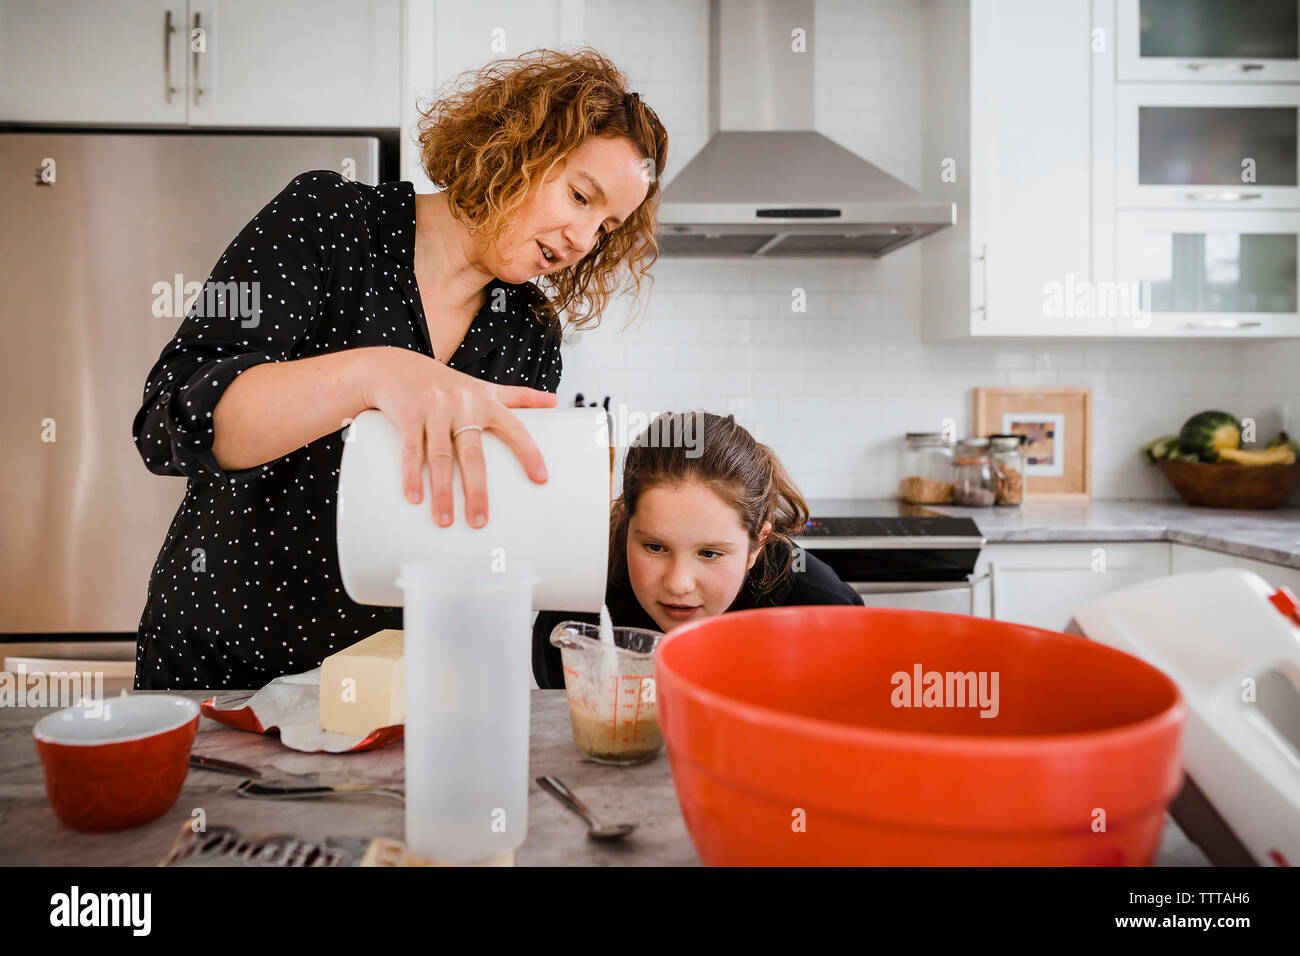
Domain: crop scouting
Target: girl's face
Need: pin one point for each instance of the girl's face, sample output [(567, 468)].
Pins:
[(687, 553), (593, 190)]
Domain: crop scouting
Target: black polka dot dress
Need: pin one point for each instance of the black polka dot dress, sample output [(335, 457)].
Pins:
[(246, 587)]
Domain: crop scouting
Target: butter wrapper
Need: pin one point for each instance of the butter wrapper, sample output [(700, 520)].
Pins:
[(291, 705)]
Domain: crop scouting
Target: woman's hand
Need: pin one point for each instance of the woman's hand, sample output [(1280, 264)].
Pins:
[(428, 401)]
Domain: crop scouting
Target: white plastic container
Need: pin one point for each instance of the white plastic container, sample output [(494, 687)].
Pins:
[(562, 526), (468, 661)]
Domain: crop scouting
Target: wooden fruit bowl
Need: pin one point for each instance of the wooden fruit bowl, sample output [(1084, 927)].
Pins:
[(1231, 485)]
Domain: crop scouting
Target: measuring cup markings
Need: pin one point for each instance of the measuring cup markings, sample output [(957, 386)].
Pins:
[(636, 715), (628, 686), (617, 681)]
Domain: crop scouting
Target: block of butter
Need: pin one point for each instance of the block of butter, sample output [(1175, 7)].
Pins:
[(363, 687)]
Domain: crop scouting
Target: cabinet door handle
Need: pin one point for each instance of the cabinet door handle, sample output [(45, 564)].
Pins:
[(198, 90), (993, 607), (168, 30), (1222, 324), (1223, 196), (1224, 67), (974, 582), (983, 259)]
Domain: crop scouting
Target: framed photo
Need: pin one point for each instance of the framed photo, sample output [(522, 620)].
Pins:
[(1057, 425)]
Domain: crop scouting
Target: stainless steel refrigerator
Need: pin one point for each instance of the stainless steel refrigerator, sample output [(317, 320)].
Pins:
[(81, 519)]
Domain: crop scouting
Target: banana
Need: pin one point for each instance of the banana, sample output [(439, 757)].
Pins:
[(1278, 455)]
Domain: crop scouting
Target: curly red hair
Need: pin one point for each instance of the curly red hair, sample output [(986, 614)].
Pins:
[(495, 134)]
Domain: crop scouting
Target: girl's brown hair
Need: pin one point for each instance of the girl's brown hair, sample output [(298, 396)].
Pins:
[(496, 133), (680, 447)]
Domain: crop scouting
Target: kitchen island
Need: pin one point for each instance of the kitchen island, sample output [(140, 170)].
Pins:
[(30, 835)]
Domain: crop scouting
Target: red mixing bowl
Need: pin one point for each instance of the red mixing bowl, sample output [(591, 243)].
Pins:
[(117, 762), (789, 745)]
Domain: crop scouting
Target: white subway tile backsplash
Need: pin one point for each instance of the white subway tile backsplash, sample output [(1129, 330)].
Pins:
[(622, 381), (778, 383), (1062, 358), (859, 359), (1027, 378), (751, 304), (1013, 359), (803, 409), (766, 331), (649, 355)]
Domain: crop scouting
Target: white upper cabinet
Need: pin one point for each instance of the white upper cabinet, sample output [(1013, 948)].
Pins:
[(292, 64), (1007, 136), (296, 63), (1217, 41), (1207, 146), (1196, 162), (1207, 275), (88, 62), (1106, 183)]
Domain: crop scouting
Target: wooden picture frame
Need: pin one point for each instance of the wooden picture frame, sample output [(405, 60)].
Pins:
[(1061, 418)]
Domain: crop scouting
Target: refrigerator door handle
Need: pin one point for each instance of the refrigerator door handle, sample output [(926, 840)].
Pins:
[(168, 30)]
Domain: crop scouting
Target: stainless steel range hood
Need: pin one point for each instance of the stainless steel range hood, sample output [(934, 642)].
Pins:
[(766, 184)]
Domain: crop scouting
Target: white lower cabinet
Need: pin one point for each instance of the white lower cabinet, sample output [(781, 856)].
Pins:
[(1275, 574), (1041, 583), (1187, 558)]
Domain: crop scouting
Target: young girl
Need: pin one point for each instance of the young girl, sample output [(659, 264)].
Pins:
[(699, 531)]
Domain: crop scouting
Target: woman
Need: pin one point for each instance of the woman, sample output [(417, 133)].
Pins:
[(373, 297), (697, 532)]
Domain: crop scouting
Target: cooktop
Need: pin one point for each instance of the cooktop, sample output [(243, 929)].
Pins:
[(868, 508), (886, 517)]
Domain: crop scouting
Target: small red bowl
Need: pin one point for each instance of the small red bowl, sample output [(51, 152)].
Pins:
[(119, 762), (789, 746)]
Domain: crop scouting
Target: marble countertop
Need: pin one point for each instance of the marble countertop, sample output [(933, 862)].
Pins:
[(30, 835), (1271, 535)]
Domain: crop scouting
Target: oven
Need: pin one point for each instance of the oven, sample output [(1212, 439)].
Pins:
[(899, 556)]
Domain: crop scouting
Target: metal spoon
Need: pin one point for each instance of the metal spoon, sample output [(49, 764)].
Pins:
[(557, 789)]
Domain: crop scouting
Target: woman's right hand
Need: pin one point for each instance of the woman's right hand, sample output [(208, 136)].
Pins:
[(427, 402)]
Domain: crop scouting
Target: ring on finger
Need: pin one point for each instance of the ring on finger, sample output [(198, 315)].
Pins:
[(465, 428)]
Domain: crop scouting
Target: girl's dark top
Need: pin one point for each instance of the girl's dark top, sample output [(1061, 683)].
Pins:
[(246, 587), (815, 584)]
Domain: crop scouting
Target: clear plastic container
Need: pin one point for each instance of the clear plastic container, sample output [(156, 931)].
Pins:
[(611, 692), (468, 667), (925, 466)]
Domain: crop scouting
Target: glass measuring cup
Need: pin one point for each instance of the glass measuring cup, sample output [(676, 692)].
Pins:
[(611, 692)]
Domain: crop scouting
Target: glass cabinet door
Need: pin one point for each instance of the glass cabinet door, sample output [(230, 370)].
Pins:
[(1208, 146), (1236, 277), (1209, 40)]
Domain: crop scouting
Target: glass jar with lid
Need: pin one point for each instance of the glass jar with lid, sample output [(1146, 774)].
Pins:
[(925, 465), (972, 481), (1008, 468)]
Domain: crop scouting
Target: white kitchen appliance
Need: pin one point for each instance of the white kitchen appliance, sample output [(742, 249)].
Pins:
[(1231, 642)]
